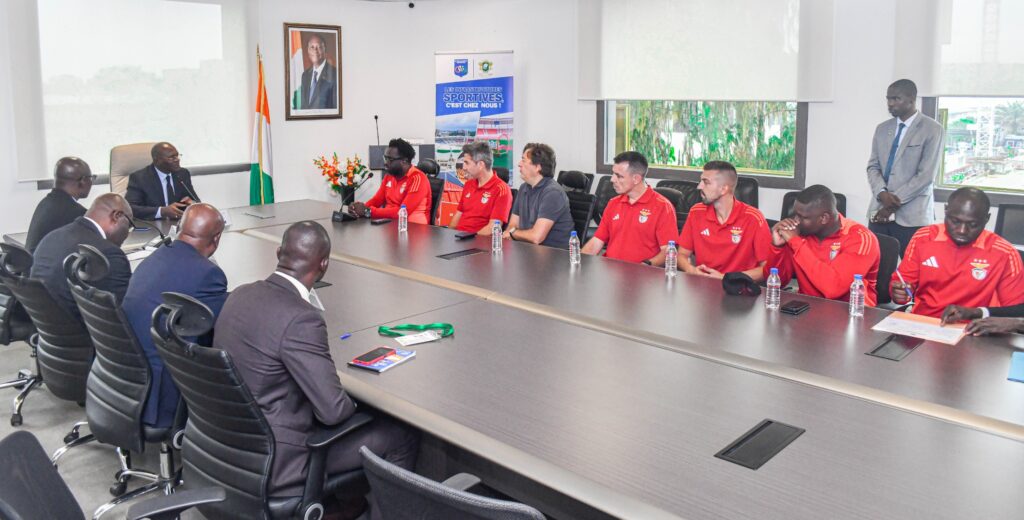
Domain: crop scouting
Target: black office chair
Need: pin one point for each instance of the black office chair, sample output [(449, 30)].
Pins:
[(64, 349), (515, 194), (581, 203), (604, 193), (119, 382), (676, 198), (889, 248), (790, 198), (1010, 223), (588, 180), (502, 173), (746, 190), (436, 192), (228, 442), (34, 488), (404, 495), (15, 325), (691, 196), (429, 167)]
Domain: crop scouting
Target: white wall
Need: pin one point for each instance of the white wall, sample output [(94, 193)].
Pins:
[(387, 65)]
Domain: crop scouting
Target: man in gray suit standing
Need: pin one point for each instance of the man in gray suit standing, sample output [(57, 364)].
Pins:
[(905, 155), (275, 332)]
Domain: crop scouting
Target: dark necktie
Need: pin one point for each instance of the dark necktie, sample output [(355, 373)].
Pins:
[(312, 87), (892, 154), (170, 191)]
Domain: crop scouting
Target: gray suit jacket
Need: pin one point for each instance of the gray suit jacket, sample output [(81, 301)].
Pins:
[(278, 342), (913, 172)]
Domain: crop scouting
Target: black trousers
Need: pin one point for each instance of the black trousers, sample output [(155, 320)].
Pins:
[(901, 233)]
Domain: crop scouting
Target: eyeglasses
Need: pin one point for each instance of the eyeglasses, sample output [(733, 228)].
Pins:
[(388, 159), (90, 178)]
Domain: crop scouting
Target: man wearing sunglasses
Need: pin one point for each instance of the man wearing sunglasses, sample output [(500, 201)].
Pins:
[(72, 181), (403, 183)]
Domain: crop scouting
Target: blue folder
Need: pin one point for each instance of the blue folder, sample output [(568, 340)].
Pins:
[(1017, 367)]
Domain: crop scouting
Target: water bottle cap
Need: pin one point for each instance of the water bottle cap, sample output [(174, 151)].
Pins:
[(498, 222), (403, 206), (572, 234), (775, 270), (672, 242), (858, 277)]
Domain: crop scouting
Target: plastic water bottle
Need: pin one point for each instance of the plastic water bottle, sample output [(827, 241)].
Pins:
[(574, 249), (496, 236), (671, 258), (403, 219), (774, 295), (857, 296)]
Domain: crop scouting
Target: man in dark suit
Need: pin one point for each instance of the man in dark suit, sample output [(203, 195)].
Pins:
[(162, 189), (72, 180), (183, 267), (319, 81), (104, 226), (277, 337)]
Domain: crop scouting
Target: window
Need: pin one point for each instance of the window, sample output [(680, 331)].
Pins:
[(125, 71), (984, 143), (758, 137)]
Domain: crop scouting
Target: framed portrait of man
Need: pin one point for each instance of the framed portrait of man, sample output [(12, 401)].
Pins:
[(312, 71)]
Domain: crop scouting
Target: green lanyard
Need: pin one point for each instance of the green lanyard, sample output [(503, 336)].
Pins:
[(447, 329)]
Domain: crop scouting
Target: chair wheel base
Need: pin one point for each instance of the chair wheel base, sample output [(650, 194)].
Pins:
[(118, 489), (71, 437), (16, 419)]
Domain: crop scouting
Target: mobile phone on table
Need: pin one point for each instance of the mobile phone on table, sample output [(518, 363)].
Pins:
[(795, 307), (463, 235), (379, 221), (374, 356)]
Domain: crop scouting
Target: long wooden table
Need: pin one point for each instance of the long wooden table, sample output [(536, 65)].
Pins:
[(823, 347)]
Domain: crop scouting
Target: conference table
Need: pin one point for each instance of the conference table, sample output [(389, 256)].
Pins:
[(608, 390), (823, 347)]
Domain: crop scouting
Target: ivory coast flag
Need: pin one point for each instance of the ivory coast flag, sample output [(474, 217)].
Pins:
[(261, 181), (296, 68)]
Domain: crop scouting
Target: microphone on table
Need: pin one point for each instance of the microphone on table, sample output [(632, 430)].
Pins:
[(163, 240), (195, 198)]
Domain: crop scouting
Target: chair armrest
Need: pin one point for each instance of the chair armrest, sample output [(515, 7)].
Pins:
[(170, 506), (324, 436), (461, 481)]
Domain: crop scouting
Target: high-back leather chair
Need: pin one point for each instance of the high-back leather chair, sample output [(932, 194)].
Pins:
[(126, 159), (40, 492), (64, 350), (588, 180), (228, 442), (676, 198), (404, 495), (15, 325), (604, 193), (690, 196), (889, 249), (119, 381), (581, 203), (432, 169), (1010, 223), (746, 190)]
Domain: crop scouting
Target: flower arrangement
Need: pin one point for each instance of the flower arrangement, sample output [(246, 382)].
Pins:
[(354, 173)]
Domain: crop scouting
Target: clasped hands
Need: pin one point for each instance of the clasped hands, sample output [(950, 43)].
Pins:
[(174, 210), (890, 203), (784, 230), (980, 326)]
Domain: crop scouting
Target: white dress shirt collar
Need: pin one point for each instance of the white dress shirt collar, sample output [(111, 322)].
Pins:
[(306, 294), (98, 228)]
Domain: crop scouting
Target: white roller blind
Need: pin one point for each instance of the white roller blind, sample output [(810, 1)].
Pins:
[(113, 72), (981, 47), (706, 49)]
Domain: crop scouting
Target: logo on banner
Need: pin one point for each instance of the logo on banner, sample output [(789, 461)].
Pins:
[(461, 67), (980, 270), (834, 251), (737, 235), (486, 67), (644, 213)]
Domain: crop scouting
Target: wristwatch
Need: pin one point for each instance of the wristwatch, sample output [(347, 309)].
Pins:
[(879, 196), (511, 231), (366, 213)]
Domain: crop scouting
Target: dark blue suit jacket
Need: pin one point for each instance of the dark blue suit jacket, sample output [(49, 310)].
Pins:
[(177, 267), (146, 195), (48, 262)]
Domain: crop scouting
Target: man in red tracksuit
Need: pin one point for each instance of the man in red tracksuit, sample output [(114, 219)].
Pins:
[(403, 183), (959, 262), (824, 249)]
